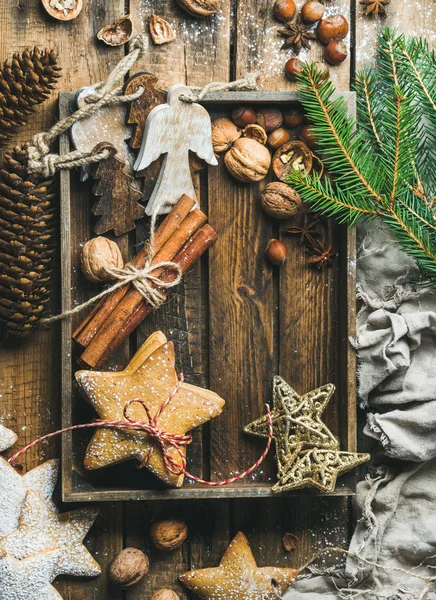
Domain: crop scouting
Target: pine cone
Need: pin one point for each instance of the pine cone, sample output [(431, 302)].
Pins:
[(25, 81), (26, 232)]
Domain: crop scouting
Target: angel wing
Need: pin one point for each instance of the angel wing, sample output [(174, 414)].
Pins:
[(153, 139), (202, 139)]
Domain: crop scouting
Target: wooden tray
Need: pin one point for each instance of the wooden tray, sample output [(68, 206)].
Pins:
[(236, 322)]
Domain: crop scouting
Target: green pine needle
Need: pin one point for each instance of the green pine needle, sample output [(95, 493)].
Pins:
[(384, 163)]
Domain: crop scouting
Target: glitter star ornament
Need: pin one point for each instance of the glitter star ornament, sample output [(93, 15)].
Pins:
[(238, 577), (41, 530), (317, 468), (14, 487), (296, 420), (7, 438), (151, 377)]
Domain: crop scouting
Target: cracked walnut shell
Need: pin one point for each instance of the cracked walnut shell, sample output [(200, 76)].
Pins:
[(160, 30), (117, 33), (247, 160), (200, 8)]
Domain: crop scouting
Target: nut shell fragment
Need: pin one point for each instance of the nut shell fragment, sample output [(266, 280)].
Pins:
[(63, 10), (292, 156), (160, 30), (118, 33), (200, 8)]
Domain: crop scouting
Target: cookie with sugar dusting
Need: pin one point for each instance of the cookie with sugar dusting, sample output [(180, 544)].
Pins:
[(150, 376), (238, 577), (7, 438), (14, 487), (41, 530)]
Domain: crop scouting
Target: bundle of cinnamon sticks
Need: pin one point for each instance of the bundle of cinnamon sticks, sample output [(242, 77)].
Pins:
[(182, 237)]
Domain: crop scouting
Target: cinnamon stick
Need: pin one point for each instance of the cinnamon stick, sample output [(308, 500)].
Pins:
[(89, 327), (101, 346)]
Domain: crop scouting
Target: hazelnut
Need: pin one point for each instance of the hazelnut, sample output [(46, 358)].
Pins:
[(293, 156), (224, 133), (165, 595), (269, 118), (336, 53), (292, 68), (312, 11), (169, 534), (280, 201), (275, 252), (284, 10), (129, 567), (247, 160), (98, 255), (293, 117), (243, 115), (332, 28), (255, 132), (278, 137), (200, 8), (307, 135)]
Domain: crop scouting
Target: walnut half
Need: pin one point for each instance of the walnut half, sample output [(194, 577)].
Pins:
[(200, 8)]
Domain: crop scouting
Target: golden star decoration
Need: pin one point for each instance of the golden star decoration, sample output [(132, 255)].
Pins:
[(238, 577), (307, 452), (151, 377), (296, 419)]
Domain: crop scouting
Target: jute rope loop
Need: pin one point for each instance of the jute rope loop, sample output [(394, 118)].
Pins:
[(247, 83)]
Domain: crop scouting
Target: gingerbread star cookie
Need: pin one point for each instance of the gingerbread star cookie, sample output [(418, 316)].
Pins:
[(7, 438), (238, 577), (14, 487), (317, 468), (40, 530), (150, 376)]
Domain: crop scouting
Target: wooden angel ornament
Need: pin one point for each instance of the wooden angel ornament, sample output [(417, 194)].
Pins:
[(173, 130)]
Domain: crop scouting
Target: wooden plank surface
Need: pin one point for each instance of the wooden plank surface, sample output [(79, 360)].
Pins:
[(29, 386)]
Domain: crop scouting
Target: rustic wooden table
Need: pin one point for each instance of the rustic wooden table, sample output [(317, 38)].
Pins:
[(240, 39)]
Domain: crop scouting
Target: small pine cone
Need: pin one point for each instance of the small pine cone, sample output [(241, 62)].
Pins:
[(25, 81), (26, 244)]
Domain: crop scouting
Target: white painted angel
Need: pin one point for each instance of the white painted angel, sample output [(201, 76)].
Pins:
[(174, 129)]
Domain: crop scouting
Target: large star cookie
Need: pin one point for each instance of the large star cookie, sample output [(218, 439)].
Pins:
[(150, 376), (7, 438), (14, 487), (317, 468), (296, 420), (238, 577), (40, 530)]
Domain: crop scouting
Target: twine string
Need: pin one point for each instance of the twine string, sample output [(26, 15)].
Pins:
[(247, 83), (166, 441), (105, 94)]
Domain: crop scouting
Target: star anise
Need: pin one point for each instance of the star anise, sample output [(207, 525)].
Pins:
[(307, 230), (375, 7), (297, 35), (323, 255)]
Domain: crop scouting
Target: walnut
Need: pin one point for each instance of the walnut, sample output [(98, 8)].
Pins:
[(255, 132), (280, 201), (160, 30), (292, 156), (129, 567), (118, 33), (63, 10), (165, 595), (200, 8), (97, 255), (248, 160), (224, 133), (169, 534)]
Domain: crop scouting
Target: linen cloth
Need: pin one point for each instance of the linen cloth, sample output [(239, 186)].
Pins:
[(396, 504)]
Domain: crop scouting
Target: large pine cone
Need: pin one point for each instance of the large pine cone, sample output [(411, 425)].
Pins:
[(26, 248), (25, 81)]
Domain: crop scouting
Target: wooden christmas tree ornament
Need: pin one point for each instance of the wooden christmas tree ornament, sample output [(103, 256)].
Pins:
[(173, 130)]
